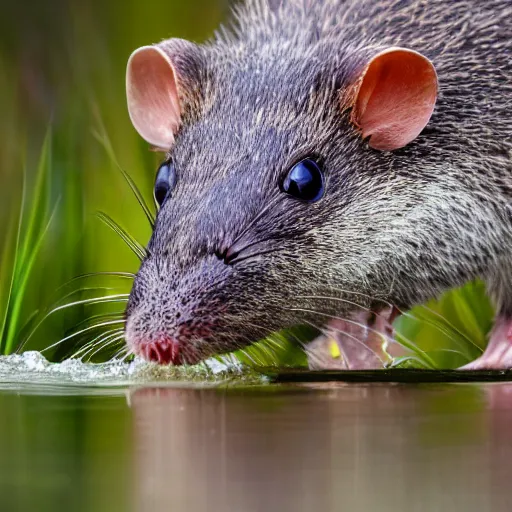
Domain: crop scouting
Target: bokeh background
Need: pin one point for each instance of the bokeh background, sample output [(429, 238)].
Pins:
[(65, 134), (62, 68)]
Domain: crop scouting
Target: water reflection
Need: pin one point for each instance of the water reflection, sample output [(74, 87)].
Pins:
[(275, 448), (419, 448)]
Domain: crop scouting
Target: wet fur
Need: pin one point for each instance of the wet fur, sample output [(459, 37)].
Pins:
[(397, 227)]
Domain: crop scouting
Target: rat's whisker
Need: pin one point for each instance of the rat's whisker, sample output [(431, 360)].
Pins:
[(255, 255), (190, 349), (358, 341), (128, 353), (450, 324), (102, 317), (103, 345), (122, 297), (122, 275), (274, 343), (98, 339), (258, 216), (404, 341), (260, 328), (197, 348), (337, 299), (405, 314), (265, 346), (104, 299), (382, 335), (343, 319), (264, 351), (253, 355), (248, 355), (372, 298), (311, 355), (252, 351), (82, 331), (441, 329), (269, 338)]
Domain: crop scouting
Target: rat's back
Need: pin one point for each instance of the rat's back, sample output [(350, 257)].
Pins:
[(469, 42)]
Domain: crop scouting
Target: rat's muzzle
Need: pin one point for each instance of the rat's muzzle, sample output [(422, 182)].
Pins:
[(174, 315), (164, 350)]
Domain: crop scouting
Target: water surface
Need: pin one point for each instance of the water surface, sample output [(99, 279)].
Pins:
[(296, 447)]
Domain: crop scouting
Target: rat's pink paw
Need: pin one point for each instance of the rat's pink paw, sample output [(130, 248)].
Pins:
[(364, 341), (498, 354)]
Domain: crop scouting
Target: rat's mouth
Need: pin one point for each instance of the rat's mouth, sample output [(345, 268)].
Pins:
[(167, 350), (187, 344)]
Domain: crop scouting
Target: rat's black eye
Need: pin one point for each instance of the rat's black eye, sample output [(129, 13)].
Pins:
[(305, 181), (165, 180)]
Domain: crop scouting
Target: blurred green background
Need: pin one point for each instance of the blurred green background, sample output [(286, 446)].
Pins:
[(64, 133), (62, 68)]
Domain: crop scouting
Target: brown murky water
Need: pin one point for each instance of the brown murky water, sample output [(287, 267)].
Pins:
[(322, 447)]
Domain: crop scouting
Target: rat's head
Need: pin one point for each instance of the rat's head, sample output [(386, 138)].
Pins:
[(278, 191)]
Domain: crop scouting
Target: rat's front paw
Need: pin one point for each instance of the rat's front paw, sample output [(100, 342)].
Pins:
[(498, 354), (360, 342)]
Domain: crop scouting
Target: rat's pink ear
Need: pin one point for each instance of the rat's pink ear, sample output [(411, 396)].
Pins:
[(152, 94), (394, 98)]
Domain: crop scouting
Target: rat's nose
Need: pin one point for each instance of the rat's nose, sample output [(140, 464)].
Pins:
[(162, 351)]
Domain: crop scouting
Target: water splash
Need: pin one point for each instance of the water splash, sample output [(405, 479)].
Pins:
[(31, 368)]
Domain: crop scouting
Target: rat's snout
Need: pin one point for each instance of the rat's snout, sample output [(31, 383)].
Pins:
[(172, 313), (163, 350)]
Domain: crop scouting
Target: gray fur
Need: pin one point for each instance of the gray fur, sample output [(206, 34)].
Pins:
[(398, 227)]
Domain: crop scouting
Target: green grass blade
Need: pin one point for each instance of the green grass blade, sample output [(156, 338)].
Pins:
[(27, 245), (38, 203), (104, 299), (22, 277), (10, 269)]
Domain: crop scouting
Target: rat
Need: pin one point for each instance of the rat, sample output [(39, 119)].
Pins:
[(327, 163)]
